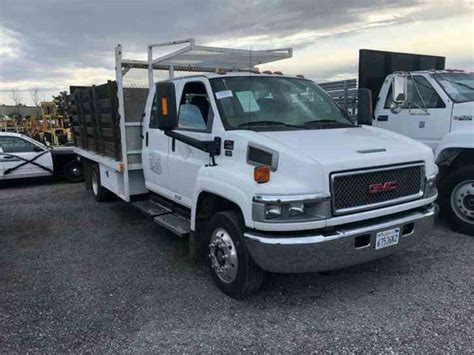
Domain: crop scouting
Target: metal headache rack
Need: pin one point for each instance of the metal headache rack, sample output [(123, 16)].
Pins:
[(195, 58)]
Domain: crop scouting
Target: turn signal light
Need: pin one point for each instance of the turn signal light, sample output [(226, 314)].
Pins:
[(261, 174), (164, 106)]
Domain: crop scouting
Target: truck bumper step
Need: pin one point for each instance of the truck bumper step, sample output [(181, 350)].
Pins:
[(164, 216), (176, 223), (151, 208)]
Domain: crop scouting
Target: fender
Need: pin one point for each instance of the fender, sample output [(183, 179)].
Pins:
[(228, 185), (452, 144)]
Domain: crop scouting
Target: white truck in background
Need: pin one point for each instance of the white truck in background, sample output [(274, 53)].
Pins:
[(264, 172), (436, 107)]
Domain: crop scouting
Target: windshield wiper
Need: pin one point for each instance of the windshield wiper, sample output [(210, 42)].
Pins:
[(269, 123), (329, 122)]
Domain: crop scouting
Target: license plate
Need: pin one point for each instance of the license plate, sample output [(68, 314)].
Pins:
[(387, 238)]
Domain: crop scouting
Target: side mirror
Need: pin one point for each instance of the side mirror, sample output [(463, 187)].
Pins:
[(399, 90), (166, 106), (364, 107)]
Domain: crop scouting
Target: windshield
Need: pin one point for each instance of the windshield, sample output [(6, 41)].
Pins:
[(269, 103), (459, 86)]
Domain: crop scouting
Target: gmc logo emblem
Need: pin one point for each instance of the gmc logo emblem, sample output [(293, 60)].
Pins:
[(383, 187)]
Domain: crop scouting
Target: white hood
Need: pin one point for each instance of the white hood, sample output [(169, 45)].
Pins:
[(354, 147), (306, 158)]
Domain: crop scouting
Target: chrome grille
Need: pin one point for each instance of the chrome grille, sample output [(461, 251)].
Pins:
[(351, 190)]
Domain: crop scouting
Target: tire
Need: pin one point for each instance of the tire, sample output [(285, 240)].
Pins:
[(457, 191), (100, 193), (74, 171), (230, 264)]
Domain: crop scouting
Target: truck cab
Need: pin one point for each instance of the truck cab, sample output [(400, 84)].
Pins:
[(438, 110), (262, 171)]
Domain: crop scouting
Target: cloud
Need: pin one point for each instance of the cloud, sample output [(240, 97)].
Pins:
[(54, 44), (9, 45)]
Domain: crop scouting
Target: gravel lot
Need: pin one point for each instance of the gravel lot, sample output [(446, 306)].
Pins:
[(79, 276)]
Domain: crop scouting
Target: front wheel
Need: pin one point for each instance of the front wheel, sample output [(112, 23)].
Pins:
[(459, 198), (232, 268)]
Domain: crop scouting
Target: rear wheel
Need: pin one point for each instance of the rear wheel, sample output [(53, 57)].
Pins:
[(459, 199), (100, 193), (232, 268), (73, 171)]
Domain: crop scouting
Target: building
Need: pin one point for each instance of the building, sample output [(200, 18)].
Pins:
[(24, 111)]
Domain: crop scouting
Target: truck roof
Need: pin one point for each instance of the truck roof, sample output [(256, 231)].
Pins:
[(434, 71)]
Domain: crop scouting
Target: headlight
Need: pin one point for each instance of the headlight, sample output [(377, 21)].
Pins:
[(272, 211), (430, 187), (291, 208), (296, 209)]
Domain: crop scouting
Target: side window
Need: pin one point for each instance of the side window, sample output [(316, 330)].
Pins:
[(154, 113), (420, 94), (195, 111), (16, 145)]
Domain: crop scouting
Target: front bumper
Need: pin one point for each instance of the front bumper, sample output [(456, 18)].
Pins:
[(322, 251)]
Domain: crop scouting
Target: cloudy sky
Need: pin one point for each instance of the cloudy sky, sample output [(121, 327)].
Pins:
[(53, 44)]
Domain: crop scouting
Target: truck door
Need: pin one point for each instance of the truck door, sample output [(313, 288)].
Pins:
[(195, 120), (22, 158), (426, 116), (155, 150)]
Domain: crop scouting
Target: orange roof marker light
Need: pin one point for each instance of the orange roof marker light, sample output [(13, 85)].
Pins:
[(277, 73), (269, 72), (300, 76)]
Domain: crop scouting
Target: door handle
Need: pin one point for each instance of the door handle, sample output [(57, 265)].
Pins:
[(383, 118), (141, 125), (146, 139), (8, 157)]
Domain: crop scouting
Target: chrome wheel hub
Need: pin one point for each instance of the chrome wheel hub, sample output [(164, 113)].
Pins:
[(462, 201), (223, 255)]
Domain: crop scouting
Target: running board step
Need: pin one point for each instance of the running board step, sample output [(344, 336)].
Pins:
[(151, 208), (176, 223)]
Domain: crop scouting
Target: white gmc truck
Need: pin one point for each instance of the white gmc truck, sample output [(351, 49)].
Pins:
[(263, 171), (436, 107)]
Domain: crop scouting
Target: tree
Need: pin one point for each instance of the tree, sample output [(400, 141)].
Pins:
[(35, 98), (62, 103), (16, 97)]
